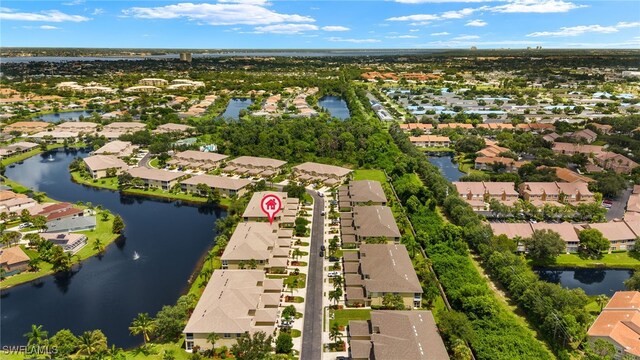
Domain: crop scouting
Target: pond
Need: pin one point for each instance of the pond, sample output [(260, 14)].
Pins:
[(447, 167), (336, 106), (592, 281), (233, 108), (107, 293), (63, 116)]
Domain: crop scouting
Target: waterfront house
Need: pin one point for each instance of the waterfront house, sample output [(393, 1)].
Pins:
[(100, 165), (117, 148), (315, 172), (62, 210), (71, 224), (13, 260), (17, 148), (286, 216), (392, 335), (259, 242), (155, 178), (619, 324), (225, 185), (55, 137), (71, 243), (568, 232), (234, 303)]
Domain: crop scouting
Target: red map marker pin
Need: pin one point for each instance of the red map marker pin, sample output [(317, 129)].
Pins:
[(271, 205)]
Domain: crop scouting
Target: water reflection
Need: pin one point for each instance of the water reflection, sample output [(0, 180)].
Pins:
[(593, 281)]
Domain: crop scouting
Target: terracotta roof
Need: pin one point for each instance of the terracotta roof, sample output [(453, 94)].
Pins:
[(621, 326)]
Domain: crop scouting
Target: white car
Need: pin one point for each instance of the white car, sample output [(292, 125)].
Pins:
[(333, 274), (321, 194)]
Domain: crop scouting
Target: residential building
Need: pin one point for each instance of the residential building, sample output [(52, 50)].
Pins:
[(99, 166), (537, 127), (117, 148), (286, 216), (572, 149), (197, 160), (479, 194), (426, 128), (315, 172), (603, 128), (71, 243), (551, 137), (17, 148), (173, 128), (124, 127), (234, 303), (392, 335), (142, 89), (259, 242), (80, 223), (81, 127), (16, 204), (27, 127), (618, 163), (455, 126), (497, 163), (383, 269), (567, 175), (568, 193), (492, 150), (254, 166), (62, 210), (361, 192), (156, 178), (55, 137), (585, 135), (153, 82), (225, 185), (495, 126), (620, 234), (619, 324), (568, 232), (13, 260), (374, 221), (430, 141)]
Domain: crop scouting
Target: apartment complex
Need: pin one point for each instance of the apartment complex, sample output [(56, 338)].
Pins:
[(254, 166), (155, 178), (225, 185), (258, 244), (368, 222), (315, 172), (234, 302), (430, 141), (361, 192), (479, 193), (556, 192), (619, 324), (197, 160), (100, 166), (286, 216), (26, 127)]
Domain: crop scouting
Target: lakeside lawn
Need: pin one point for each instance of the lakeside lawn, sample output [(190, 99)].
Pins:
[(102, 232), (621, 260), (104, 183)]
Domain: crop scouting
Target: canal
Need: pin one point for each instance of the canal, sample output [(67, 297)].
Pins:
[(336, 106), (108, 292), (448, 169), (592, 281)]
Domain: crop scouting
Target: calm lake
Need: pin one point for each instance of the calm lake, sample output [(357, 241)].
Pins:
[(107, 293), (447, 167), (336, 106), (233, 108), (64, 116), (592, 281)]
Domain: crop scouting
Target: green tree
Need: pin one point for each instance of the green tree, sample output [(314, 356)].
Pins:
[(142, 324), (334, 333), (39, 222), (118, 225), (289, 312), (34, 264), (600, 350), (60, 260), (212, 338), (455, 325), (592, 243), (544, 245), (602, 300), (36, 336), (284, 343), (633, 283), (393, 301), (98, 246), (92, 343), (335, 295), (65, 342), (252, 347)]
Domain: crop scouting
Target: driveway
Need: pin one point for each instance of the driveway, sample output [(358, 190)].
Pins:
[(144, 162), (312, 332), (618, 206)]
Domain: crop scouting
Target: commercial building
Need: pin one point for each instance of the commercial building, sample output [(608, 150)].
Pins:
[(260, 243), (234, 302), (361, 192), (254, 166), (225, 185), (315, 172), (155, 178), (381, 269), (99, 166), (392, 335), (619, 324)]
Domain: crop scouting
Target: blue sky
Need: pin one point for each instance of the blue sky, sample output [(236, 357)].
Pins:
[(248, 24)]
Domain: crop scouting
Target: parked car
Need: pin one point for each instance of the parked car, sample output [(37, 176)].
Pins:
[(333, 259), (25, 225), (321, 253), (322, 248), (322, 213), (320, 193), (333, 274)]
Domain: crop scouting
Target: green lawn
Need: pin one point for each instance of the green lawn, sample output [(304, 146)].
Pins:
[(224, 202), (614, 260), (105, 183), (436, 149), (343, 316), (365, 174), (154, 162), (197, 286)]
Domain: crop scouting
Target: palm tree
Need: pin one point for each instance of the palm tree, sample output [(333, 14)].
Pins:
[(212, 338), (34, 264), (602, 301), (36, 336), (337, 282), (98, 246), (142, 324), (253, 264), (206, 275), (335, 295), (334, 333), (297, 253), (92, 342), (294, 285), (115, 353), (210, 257)]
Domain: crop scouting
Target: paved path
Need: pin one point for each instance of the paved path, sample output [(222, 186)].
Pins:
[(312, 334), (619, 205), (145, 161)]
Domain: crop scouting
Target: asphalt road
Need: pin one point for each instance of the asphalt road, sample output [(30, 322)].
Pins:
[(312, 331), (144, 162), (618, 206)]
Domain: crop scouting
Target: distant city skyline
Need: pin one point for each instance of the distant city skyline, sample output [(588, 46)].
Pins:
[(261, 24)]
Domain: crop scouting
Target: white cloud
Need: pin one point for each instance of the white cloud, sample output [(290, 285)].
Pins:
[(414, 30), (465, 44), (466, 37), (355, 41), (286, 28), (440, 33), (250, 2), (228, 13), (477, 23), (335, 28), (583, 29), (425, 19), (97, 11), (46, 15), (537, 6), (402, 37), (441, 1), (417, 17), (73, 2), (49, 27)]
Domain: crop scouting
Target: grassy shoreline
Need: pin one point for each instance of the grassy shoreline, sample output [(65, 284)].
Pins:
[(617, 260)]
